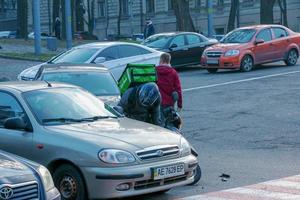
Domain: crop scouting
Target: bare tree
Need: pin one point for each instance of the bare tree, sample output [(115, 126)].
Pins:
[(266, 11), (233, 14), (283, 8), (184, 20), (91, 16), (119, 18), (22, 19)]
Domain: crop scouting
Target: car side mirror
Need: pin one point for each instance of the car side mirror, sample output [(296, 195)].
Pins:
[(173, 46), (259, 41), (100, 60), (16, 123)]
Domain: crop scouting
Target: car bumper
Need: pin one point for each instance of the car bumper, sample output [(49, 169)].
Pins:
[(102, 182), (232, 62), (53, 195)]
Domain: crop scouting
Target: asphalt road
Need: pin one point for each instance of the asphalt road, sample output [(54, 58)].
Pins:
[(245, 125)]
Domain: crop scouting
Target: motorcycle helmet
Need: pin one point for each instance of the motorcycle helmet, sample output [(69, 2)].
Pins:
[(148, 94)]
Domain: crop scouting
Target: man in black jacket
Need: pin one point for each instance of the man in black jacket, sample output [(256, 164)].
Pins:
[(149, 29)]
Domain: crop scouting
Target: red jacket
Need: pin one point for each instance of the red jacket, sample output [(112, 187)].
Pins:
[(168, 82)]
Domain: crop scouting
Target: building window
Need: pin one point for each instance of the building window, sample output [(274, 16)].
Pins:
[(150, 6), (101, 8), (8, 5), (198, 3), (248, 2), (124, 7), (170, 5), (220, 3)]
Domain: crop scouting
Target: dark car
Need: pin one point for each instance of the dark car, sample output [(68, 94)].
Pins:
[(186, 48), (23, 179), (95, 79)]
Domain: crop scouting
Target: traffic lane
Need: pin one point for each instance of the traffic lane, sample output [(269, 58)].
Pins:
[(195, 76), (10, 68), (247, 130)]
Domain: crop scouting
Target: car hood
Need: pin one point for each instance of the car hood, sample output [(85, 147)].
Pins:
[(110, 100), (10, 167), (29, 73), (114, 133), (225, 46)]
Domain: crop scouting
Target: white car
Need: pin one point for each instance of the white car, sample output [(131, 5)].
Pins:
[(113, 55)]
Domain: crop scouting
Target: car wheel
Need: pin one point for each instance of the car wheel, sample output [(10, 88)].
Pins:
[(198, 174), (69, 182), (247, 63), (292, 58), (212, 70)]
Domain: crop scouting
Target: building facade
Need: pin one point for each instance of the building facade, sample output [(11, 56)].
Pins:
[(135, 12)]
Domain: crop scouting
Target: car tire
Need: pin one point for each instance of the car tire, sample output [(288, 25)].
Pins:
[(292, 57), (198, 174), (68, 180), (247, 64), (212, 70)]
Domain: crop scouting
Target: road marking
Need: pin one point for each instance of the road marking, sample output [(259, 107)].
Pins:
[(239, 81), (281, 189)]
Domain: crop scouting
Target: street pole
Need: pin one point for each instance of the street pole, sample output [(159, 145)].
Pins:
[(68, 23), (131, 16), (210, 18), (37, 27)]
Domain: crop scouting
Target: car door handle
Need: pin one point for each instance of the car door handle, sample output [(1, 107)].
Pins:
[(185, 49), (271, 44), (288, 40)]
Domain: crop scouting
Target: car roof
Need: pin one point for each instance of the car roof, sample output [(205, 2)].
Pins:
[(69, 67), (261, 26), (25, 86), (175, 33), (104, 44)]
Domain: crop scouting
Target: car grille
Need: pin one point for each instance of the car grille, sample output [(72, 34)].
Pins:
[(213, 54), (141, 185), (158, 152), (25, 191)]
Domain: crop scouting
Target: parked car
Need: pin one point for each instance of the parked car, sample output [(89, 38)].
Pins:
[(113, 55), (90, 152), (44, 36), (96, 80), (246, 47), (185, 47), (24, 179), (84, 35), (218, 37), (8, 34)]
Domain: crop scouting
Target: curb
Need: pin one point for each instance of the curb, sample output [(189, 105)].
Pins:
[(18, 58)]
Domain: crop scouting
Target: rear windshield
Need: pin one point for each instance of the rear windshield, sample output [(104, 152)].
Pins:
[(239, 36), (158, 41), (78, 56), (98, 83)]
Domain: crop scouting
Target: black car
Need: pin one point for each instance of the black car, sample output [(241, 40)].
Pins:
[(23, 179), (186, 48)]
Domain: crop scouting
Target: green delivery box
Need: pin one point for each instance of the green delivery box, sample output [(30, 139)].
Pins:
[(135, 74)]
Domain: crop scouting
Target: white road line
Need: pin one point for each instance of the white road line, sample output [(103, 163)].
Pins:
[(286, 184), (239, 81), (264, 194), (203, 197)]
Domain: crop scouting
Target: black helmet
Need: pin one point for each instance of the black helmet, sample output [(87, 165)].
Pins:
[(148, 94)]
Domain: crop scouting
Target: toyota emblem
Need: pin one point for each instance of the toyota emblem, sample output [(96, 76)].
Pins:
[(160, 153), (6, 193)]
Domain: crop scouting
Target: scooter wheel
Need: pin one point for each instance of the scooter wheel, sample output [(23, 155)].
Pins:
[(198, 174)]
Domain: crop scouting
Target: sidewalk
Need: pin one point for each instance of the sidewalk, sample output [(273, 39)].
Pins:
[(281, 189)]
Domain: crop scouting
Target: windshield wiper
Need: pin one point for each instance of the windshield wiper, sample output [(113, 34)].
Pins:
[(95, 118), (62, 119)]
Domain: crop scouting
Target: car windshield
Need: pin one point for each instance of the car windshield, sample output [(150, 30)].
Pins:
[(77, 55), (98, 83), (158, 41), (239, 36), (65, 105)]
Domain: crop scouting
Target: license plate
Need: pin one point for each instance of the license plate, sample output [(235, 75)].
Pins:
[(168, 171), (212, 62)]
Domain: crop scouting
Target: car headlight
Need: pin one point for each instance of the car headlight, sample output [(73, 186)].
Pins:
[(115, 156), (232, 53), (46, 178), (185, 148)]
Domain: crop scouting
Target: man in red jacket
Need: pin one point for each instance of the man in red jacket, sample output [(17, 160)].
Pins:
[(168, 82)]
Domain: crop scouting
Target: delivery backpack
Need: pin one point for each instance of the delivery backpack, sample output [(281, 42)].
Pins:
[(136, 74)]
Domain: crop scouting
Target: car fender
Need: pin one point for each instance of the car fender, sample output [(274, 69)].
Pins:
[(289, 47), (247, 52)]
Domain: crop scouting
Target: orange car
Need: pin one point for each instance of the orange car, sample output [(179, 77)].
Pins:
[(246, 47)]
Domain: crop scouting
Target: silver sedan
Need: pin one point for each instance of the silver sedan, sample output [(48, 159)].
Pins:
[(91, 152)]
